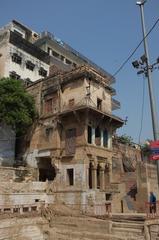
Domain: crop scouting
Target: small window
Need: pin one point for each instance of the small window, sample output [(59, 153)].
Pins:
[(62, 58), (48, 131), (89, 137), (108, 196), (30, 65), (49, 51), (42, 72), (74, 65), (55, 54), (99, 104), (18, 33), (70, 176), (48, 105), (71, 102), (16, 58), (68, 61), (14, 75)]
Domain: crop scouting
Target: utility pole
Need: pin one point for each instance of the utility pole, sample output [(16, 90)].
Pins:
[(149, 78)]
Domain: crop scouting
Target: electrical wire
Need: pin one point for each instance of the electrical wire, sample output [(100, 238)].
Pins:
[(130, 56), (142, 109)]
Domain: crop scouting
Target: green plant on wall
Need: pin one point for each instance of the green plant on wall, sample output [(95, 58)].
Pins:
[(17, 107), (125, 139)]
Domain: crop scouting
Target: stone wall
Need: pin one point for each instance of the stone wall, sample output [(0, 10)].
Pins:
[(23, 228)]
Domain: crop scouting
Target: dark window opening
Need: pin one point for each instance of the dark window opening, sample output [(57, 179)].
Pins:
[(25, 209), (55, 54), (90, 175), (70, 176), (18, 33), (14, 75), (105, 138), (108, 196), (46, 170), (89, 136), (48, 105), (16, 58), (30, 65), (62, 58), (42, 72), (68, 61), (49, 51), (48, 131), (99, 104), (71, 102), (98, 136), (74, 65)]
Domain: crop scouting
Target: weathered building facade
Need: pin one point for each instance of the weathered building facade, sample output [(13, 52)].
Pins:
[(72, 142)]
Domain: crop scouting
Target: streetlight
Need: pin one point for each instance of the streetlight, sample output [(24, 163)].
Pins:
[(141, 65), (147, 70)]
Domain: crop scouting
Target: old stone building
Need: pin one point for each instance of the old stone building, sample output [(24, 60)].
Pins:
[(71, 144)]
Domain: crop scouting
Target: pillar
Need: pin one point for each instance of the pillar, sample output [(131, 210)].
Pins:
[(93, 135), (102, 178), (107, 175), (102, 136), (94, 176)]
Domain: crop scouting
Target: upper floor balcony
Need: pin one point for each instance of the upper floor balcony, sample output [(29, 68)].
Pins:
[(88, 104)]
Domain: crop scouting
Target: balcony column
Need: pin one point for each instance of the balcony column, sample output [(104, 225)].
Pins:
[(102, 136), (94, 176), (107, 174), (93, 135), (102, 177)]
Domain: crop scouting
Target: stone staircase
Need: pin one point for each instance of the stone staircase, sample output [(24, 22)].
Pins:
[(85, 228), (132, 230)]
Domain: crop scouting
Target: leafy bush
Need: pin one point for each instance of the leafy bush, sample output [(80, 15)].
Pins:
[(17, 107)]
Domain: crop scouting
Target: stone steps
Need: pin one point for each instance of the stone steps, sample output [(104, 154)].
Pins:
[(83, 235), (128, 225), (130, 229), (84, 224)]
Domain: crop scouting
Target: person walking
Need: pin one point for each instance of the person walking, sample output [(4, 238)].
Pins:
[(152, 203)]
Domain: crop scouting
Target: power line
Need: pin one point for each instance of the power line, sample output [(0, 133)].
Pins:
[(130, 56)]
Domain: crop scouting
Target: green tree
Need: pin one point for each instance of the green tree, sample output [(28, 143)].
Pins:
[(125, 139), (17, 107)]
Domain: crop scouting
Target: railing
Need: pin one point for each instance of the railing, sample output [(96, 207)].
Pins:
[(152, 210), (115, 104), (85, 102), (21, 209)]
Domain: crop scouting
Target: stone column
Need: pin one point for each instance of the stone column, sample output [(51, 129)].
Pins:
[(107, 175), (94, 176), (93, 135), (102, 177), (102, 136)]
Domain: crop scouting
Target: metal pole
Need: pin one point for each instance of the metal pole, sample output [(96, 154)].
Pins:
[(150, 84)]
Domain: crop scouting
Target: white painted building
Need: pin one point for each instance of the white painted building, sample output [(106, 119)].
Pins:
[(19, 57)]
